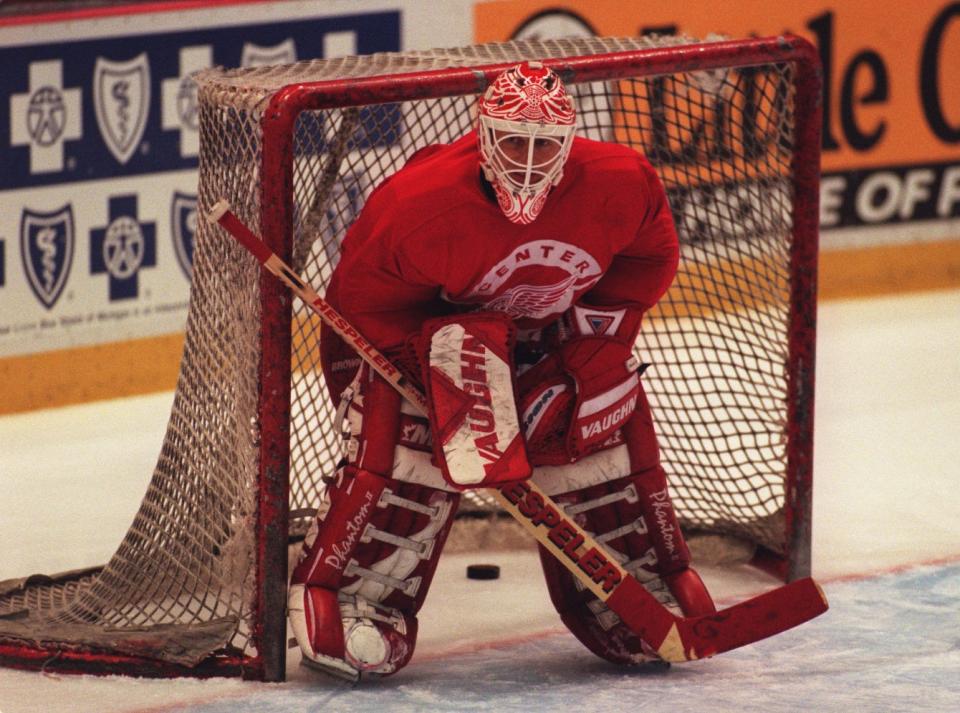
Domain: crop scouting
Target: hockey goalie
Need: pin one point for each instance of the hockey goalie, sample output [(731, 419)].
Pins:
[(507, 274)]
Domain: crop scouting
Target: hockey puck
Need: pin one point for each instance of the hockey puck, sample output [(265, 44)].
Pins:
[(483, 571)]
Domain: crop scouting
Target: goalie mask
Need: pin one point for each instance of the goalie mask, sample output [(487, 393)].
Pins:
[(525, 125)]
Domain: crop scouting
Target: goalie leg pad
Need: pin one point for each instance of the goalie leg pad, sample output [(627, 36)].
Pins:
[(633, 518), (364, 573), (368, 561), (468, 372)]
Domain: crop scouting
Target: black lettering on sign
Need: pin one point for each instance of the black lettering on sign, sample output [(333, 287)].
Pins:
[(890, 195), (930, 76), (879, 92), (866, 63)]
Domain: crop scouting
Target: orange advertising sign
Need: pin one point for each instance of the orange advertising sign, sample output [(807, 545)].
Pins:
[(891, 103)]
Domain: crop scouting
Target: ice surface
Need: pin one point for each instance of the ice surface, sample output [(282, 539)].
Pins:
[(886, 546)]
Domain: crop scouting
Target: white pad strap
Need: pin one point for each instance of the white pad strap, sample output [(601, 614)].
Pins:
[(637, 525), (629, 494), (423, 549), (387, 497), (407, 586)]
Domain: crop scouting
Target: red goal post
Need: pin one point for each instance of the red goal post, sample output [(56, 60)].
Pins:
[(733, 127)]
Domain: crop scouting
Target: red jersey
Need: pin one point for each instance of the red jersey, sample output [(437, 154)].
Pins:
[(432, 240)]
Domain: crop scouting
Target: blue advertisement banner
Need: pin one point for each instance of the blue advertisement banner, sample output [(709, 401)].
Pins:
[(123, 106)]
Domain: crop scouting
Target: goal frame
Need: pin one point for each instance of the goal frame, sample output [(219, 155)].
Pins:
[(277, 225)]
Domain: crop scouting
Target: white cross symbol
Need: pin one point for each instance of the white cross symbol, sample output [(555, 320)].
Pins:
[(180, 98), (45, 117)]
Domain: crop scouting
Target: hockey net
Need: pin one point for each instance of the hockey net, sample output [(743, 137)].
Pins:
[(197, 585)]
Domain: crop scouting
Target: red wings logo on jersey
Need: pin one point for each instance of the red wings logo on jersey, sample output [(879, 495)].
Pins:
[(537, 280), (534, 301)]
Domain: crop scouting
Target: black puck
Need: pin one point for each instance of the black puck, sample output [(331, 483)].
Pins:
[(483, 571)]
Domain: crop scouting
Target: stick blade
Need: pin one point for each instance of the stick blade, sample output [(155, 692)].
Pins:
[(752, 620)]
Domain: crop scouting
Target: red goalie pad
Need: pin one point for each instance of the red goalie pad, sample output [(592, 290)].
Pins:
[(468, 374)]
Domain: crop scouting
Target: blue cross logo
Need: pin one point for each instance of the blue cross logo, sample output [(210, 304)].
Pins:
[(123, 247)]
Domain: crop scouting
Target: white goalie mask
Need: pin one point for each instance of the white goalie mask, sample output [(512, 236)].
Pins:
[(525, 125)]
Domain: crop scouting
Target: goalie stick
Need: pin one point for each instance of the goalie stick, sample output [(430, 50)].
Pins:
[(674, 638)]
